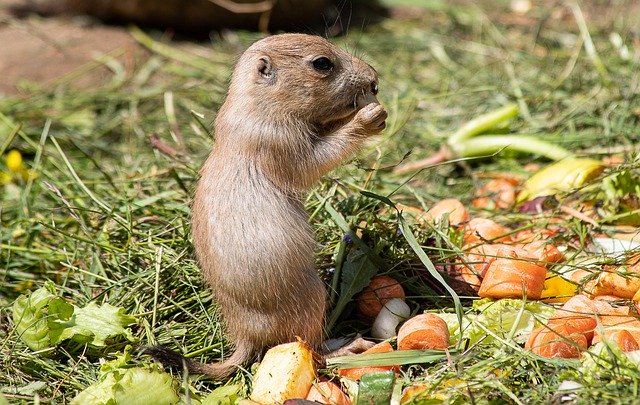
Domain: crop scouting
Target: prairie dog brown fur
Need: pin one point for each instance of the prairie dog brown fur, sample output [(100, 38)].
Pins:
[(297, 106)]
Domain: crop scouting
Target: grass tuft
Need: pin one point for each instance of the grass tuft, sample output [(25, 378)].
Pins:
[(105, 211)]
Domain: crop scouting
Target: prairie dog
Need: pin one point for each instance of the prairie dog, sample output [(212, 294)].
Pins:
[(297, 106)]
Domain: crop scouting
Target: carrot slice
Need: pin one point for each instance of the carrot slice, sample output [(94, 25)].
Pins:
[(497, 193), (511, 278), (543, 252), (581, 312), (535, 234), (426, 331), (358, 372), (380, 290), (622, 338), (326, 392), (475, 263), (621, 281), (450, 207), (484, 229), (557, 340), (618, 322)]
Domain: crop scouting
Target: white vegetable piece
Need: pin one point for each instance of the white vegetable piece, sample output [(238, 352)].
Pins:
[(287, 371), (393, 312)]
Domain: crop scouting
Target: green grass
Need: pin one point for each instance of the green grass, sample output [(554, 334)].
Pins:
[(107, 217)]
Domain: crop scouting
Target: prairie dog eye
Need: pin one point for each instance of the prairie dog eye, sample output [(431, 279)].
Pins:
[(322, 64)]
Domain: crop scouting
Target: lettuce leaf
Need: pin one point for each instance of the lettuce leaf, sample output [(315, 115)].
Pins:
[(505, 318), (226, 395), (40, 316), (118, 383), (43, 319)]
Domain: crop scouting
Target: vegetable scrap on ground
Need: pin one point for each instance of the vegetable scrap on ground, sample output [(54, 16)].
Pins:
[(488, 241)]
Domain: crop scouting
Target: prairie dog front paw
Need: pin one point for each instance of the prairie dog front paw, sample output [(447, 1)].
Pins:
[(372, 118)]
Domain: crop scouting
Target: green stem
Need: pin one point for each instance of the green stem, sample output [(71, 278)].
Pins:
[(170, 52), (483, 123), (491, 144)]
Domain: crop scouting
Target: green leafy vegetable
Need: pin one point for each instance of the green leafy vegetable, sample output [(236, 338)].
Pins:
[(621, 199), (40, 316), (119, 384), (356, 275), (376, 388), (226, 395), (606, 359), (504, 318), (99, 322), (45, 320)]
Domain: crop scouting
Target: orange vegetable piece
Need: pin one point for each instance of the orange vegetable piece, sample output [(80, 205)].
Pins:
[(511, 278), (622, 338), (380, 290), (450, 207), (426, 331), (535, 234), (620, 322), (484, 229), (605, 305), (326, 392), (358, 372), (580, 311), (621, 281), (543, 252), (497, 193), (476, 261), (577, 306), (557, 339)]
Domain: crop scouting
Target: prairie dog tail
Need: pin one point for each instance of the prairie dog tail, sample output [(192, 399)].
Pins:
[(243, 353)]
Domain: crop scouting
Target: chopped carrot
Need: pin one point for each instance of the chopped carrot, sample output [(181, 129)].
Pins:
[(535, 234), (512, 278), (542, 251), (622, 338), (426, 331), (497, 193), (326, 392), (620, 322), (483, 230), (357, 373), (607, 305), (577, 306), (451, 208), (380, 290), (621, 281), (557, 340), (579, 311), (474, 264), (476, 261)]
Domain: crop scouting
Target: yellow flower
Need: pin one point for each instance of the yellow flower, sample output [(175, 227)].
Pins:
[(14, 161)]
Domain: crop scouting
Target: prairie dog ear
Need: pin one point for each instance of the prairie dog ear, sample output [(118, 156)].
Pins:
[(265, 68)]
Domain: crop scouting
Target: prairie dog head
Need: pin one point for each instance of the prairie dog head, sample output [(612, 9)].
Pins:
[(302, 78)]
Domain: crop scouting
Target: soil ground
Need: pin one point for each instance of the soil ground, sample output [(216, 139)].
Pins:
[(43, 49)]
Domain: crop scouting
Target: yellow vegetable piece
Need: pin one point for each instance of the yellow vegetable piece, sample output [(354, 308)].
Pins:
[(286, 372), (14, 161), (564, 175), (557, 289)]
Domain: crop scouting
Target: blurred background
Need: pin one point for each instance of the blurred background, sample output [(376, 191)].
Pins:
[(43, 39)]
